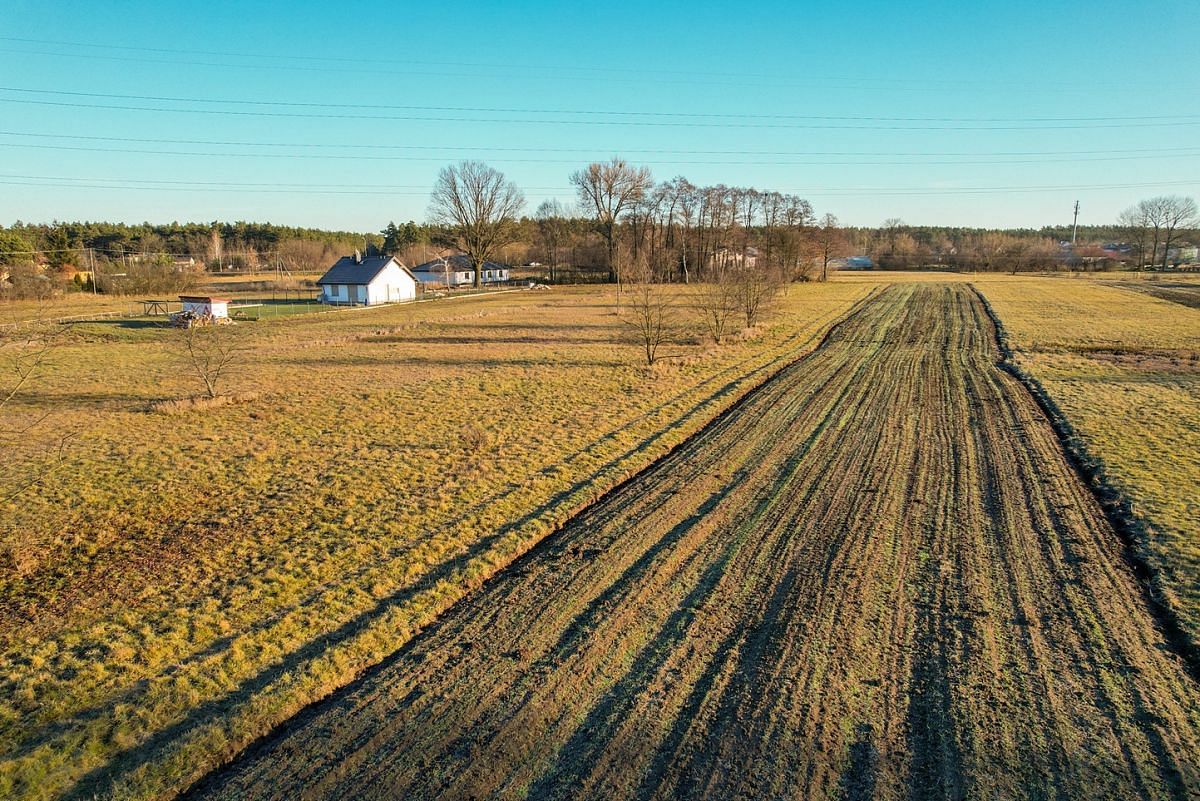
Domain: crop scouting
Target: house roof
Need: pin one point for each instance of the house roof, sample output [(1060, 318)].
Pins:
[(348, 271), (458, 262)]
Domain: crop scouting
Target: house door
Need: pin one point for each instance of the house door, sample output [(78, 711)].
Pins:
[(361, 292)]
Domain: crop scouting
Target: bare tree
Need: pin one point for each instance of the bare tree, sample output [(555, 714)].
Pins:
[(717, 303), (830, 242), (1153, 213), (552, 230), (209, 351), (607, 191), (650, 316), (756, 289), (480, 206), (1135, 227), (1177, 213)]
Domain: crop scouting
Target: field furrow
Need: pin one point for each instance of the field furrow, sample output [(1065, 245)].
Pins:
[(878, 577)]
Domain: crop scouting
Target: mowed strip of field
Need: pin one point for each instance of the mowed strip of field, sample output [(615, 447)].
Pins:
[(185, 581), (878, 578), (1124, 367), (1184, 292)]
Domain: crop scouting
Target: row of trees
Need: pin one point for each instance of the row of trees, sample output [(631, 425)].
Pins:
[(670, 231), (677, 231), (1154, 225)]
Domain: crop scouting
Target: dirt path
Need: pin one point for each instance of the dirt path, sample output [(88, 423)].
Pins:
[(880, 578)]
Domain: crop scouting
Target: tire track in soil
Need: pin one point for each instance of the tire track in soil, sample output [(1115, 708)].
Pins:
[(881, 578)]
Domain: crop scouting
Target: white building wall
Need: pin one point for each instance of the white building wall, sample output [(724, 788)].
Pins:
[(392, 285)]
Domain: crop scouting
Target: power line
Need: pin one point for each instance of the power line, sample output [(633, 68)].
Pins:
[(635, 73), (651, 162), (271, 184), (383, 189), (604, 122), (590, 150), (357, 107)]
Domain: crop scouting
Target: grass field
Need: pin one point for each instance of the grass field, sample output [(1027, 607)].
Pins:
[(192, 575), (1124, 366), (185, 581), (879, 578)]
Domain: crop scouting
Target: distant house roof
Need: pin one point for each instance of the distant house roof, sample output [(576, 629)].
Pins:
[(459, 262), (349, 271)]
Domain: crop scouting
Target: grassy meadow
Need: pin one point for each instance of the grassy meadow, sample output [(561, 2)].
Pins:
[(1124, 366), (186, 577)]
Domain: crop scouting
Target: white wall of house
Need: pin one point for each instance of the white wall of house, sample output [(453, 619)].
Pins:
[(392, 285), (457, 278)]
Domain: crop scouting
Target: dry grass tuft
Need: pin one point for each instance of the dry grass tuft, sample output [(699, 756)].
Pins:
[(200, 403)]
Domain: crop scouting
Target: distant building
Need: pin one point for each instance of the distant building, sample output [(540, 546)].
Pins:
[(859, 263), (357, 281), (724, 257), (456, 271)]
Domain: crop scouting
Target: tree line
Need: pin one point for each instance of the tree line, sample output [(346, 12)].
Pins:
[(623, 226), (672, 231)]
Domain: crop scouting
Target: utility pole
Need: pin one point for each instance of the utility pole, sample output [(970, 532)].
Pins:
[(1075, 223)]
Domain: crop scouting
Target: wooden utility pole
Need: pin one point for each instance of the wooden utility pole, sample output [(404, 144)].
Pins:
[(1075, 223)]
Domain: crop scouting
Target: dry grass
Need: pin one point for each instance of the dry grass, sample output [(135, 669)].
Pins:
[(878, 579), (1125, 368), (190, 579)]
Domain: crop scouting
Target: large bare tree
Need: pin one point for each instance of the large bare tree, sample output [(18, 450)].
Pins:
[(480, 206), (830, 242), (1135, 227), (1177, 213), (607, 190), (552, 231)]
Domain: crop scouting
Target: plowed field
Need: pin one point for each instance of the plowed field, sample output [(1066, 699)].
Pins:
[(877, 577)]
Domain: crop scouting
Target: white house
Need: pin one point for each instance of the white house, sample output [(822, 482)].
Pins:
[(205, 306), (358, 281), (456, 271)]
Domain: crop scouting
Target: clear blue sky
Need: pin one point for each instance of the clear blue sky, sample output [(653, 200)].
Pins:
[(857, 107)]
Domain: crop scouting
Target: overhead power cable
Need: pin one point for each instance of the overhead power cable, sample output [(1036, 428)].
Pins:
[(535, 160), (592, 150), (640, 73), (385, 189), (358, 107)]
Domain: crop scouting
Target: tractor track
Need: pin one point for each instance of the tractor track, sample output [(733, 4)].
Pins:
[(879, 578)]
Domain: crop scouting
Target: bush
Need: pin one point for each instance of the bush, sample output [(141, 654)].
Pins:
[(27, 281)]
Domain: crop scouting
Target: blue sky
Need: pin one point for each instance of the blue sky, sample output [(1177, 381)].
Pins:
[(340, 115)]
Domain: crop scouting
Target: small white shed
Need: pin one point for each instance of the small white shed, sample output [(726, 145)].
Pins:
[(358, 281), (205, 306)]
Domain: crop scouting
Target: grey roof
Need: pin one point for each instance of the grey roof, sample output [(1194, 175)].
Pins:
[(348, 271), (459, 262)]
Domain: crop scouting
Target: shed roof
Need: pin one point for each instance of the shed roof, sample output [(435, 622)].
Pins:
[(204, 298), (348, 271)]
